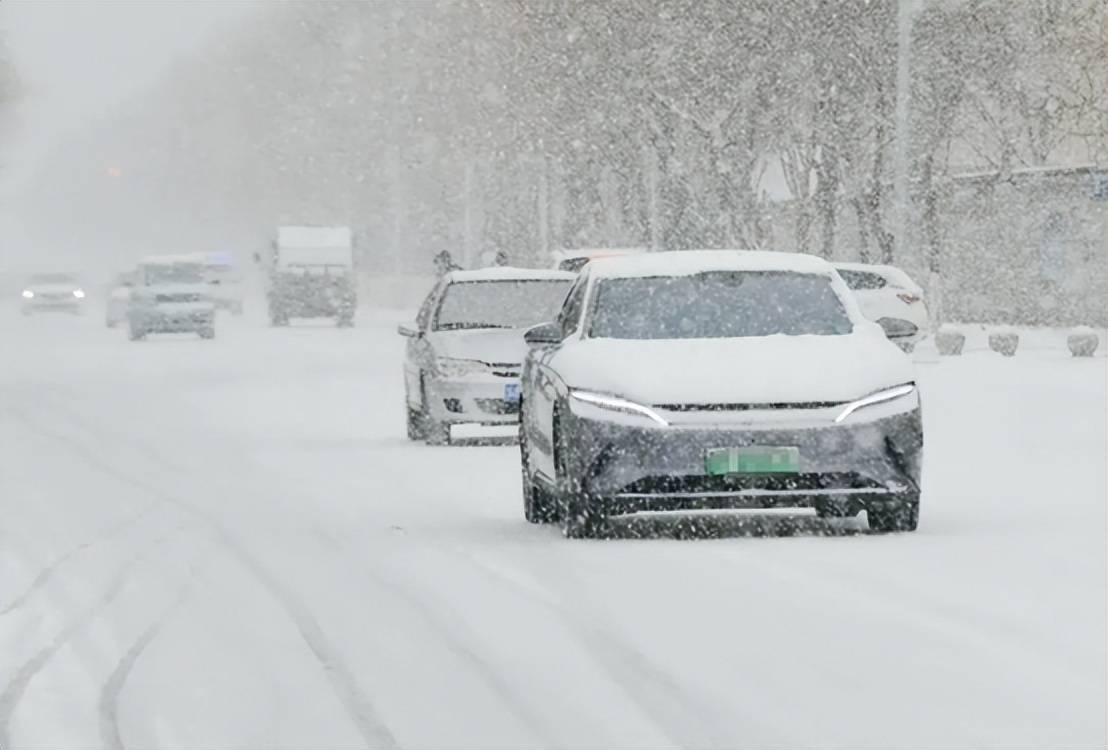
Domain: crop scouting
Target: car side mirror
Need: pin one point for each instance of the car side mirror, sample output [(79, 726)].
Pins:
[(896, 328), (408, 331), (543, 334)]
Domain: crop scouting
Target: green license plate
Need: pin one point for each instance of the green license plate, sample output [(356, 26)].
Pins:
[(754, 459)]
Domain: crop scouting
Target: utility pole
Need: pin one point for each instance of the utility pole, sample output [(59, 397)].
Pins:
[(906, 10), (467, 215)]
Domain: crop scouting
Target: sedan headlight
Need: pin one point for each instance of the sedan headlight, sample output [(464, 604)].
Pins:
[(456, 368), (28, 294), (880, 397), (79, 293), (617, 404)]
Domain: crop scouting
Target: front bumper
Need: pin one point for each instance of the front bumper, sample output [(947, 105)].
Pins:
[(626, 469), (173, 321), (38, 304), (473, 400)]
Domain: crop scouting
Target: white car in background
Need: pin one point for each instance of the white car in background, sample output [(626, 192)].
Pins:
[(887, 295), (53, 292), (466, 347)]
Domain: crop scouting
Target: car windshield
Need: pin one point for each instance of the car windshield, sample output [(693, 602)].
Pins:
[(173, 273), (717, 304), (53, 278), (512, 303), (864, 280)]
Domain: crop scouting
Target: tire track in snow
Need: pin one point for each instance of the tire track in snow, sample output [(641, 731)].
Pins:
[(669, 705), (47, 573), (344, 685), (448, 632), (112, 688), (17, 686)]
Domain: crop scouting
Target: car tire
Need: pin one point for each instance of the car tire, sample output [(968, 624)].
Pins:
[(434, 431), (344, 322), (136, 334), (207, 333), (415, 423), (902, 516), (580, 520), (538, 505)]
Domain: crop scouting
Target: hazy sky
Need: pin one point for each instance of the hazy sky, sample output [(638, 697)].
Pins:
[(78, 58)]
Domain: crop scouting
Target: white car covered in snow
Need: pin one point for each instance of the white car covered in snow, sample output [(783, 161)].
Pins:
[(119, 299), (466, 347), (716, 380), (52, 292), (888, 296)]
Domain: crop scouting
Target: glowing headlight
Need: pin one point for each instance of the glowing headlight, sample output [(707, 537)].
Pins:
[(28, 294), (455, 368), (880, 397), (79, 293), (615, 403)]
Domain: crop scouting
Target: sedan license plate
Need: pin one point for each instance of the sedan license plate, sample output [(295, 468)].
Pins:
[(511, 393), (754, 459)]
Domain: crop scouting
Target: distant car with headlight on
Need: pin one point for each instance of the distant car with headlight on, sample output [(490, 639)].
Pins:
[(52, 292), (713, 380), (465, 349)]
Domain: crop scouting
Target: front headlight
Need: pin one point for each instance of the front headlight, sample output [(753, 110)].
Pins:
[(28, 294), (456, 368), (79, 293), (880, 397), (617, 404)]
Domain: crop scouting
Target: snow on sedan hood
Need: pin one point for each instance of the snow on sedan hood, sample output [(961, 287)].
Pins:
[(754, 370), (52, 288), (490, 345)]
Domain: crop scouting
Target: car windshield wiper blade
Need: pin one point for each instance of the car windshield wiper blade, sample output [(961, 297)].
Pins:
[(460, 326)]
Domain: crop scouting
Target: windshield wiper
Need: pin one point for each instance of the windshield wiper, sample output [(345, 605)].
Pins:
[(462, 326)]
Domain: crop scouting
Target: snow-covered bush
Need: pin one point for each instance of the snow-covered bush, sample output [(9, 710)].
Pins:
[(1004, 342), (1083, 341), (949, 342)]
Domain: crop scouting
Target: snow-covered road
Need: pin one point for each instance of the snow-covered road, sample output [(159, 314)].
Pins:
[(231, 544)]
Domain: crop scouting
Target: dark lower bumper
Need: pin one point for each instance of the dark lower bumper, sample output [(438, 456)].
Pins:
[(844, 467), (174, 323)]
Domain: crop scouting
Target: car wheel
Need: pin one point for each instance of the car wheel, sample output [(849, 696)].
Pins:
[(415, 423), (136, 334), (902, 516), (207, 333), (538, 506), (344, 322), (579, 519), (434, 431)]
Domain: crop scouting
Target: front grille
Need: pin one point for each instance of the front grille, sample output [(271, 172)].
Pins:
[(750, 407), (703, 484), (497, 406), (164, 299)]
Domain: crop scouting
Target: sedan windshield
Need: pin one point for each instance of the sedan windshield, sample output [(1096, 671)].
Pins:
[(53, 278), (514, 303), (174, 273), (717, 304)]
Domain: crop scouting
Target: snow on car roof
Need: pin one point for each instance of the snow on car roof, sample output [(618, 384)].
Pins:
[(508, 273), (891, 273), (688, 262)]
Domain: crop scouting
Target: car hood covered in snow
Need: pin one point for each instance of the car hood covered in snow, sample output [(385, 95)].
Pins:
[(489, 345), (757, 370), (52, 288)]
